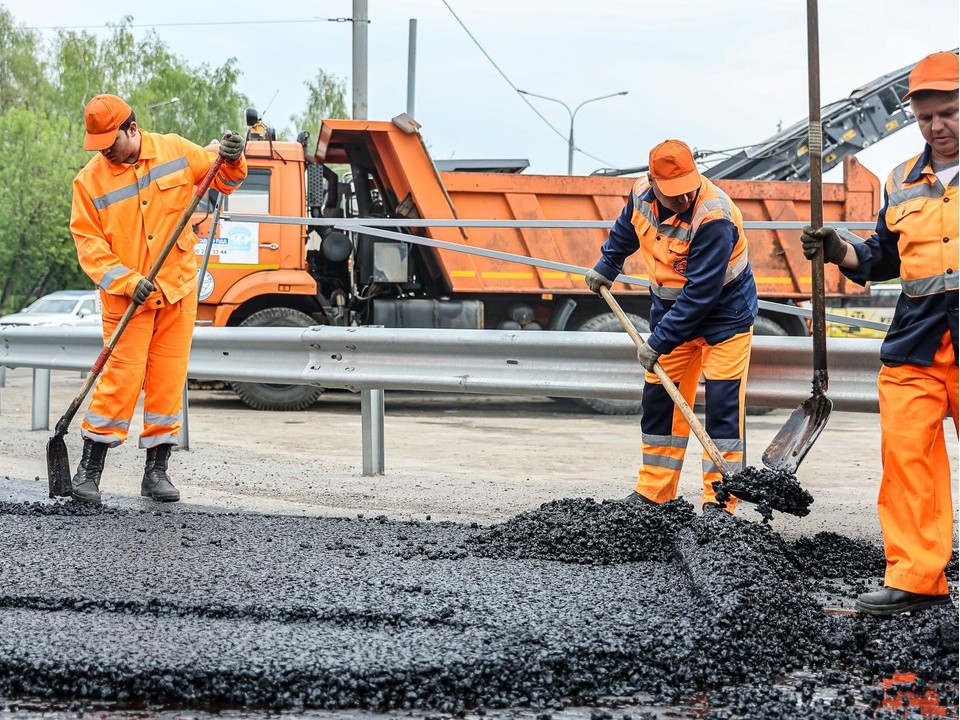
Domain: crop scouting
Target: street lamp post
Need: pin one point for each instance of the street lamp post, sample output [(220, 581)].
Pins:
[(573, 115)]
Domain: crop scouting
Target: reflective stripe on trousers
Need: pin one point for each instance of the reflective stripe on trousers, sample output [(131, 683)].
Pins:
[(152, 354), (664, 429), (915, 502)]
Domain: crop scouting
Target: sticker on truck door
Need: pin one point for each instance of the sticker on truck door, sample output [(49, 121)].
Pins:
[(238, 244)]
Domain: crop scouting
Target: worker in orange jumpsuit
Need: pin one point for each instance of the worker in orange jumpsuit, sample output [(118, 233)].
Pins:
[(703, 305), (127, 201), (916, 241)]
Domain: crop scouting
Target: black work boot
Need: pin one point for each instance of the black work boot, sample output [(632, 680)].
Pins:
[(890, 601), (85, 486), (636, 498), (156, 483)]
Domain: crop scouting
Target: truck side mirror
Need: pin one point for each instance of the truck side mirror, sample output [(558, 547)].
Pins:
[(213, 196)]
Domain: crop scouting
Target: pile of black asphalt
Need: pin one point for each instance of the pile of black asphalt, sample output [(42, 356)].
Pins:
[(768, 489), (571, 604)]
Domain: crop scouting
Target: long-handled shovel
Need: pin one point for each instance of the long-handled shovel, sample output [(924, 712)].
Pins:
[(711, 448), (803, 427), (58, 462)]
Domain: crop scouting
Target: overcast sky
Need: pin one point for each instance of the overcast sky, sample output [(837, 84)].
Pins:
[(716, 74)]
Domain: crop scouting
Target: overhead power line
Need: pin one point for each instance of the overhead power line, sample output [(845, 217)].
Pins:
[(515, 88)]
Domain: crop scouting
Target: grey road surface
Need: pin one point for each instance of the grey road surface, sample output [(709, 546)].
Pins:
[(454, 457)]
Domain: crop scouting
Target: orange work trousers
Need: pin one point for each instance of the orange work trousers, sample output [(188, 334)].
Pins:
[(152, 355), (915, 502), (665, 431)]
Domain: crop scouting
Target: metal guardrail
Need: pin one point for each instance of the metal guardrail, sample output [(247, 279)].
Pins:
[(371, 360)]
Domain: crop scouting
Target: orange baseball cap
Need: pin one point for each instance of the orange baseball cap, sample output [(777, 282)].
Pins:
[(939, 71), (673, 167), (102, 117)]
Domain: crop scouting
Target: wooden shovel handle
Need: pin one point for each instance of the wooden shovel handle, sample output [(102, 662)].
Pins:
[(711, 448)]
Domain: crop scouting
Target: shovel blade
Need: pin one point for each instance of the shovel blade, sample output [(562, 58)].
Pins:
[(58, 467), (798, 434)]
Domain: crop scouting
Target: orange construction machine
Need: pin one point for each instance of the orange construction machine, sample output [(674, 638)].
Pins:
[(277, 272)]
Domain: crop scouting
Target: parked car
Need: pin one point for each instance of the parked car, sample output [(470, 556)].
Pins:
[(878, 306), (64, 307)]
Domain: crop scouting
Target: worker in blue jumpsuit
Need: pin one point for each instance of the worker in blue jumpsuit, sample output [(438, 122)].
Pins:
[(703, 305)]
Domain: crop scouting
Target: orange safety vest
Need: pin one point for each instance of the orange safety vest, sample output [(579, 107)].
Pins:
[(123, 215), (665, 245), (925, 216)]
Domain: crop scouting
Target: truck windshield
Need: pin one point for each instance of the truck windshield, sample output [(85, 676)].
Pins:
[(253, 196)]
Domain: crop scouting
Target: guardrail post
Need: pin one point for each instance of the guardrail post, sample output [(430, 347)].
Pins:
[(40, 417), (3, 376), (371, 412)]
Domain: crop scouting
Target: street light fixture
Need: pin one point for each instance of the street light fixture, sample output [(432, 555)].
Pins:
[(573, 114)]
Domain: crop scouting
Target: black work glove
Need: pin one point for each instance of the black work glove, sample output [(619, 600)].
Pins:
[(594, 280), (231, 146), (647, 356), (834, 249), (142, 291)]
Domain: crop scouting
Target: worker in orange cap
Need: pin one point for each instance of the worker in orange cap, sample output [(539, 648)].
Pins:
[(915, 241), (127, 202), (703, 305)]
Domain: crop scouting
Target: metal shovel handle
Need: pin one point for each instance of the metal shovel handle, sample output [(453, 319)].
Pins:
[(815, 146)]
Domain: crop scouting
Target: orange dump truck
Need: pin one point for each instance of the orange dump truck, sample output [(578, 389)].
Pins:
[(263, 273)]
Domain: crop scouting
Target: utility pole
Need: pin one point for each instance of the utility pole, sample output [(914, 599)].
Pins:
[(411, 66), (360, 22)]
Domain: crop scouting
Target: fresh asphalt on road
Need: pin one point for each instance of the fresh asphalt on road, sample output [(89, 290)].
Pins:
[(573, 603)]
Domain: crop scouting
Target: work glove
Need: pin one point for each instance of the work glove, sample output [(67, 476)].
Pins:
[(594, 280), (142, 291), (231, 146), (647, 356), (834, 249)]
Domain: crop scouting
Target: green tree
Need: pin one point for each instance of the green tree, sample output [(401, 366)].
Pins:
[(44, 87), (325, 99), (146, 73), (37, 252), (22, 78)]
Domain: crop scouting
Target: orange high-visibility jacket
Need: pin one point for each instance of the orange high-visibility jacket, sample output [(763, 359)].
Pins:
[(916, 240), (665, 245), (122, 216)]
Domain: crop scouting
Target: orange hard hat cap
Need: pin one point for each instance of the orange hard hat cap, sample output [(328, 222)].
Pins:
[(102, 117), (673, 167), (939, 71)]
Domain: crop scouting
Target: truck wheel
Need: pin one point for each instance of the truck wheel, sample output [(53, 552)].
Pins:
[(765, 326), (268, 396), (608, 323)]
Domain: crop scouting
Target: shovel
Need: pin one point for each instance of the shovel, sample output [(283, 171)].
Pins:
[(803, 427), (708, 445), (58, 462)]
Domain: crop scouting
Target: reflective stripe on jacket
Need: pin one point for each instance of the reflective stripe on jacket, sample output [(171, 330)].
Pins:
[(915, 240), (122, 216), (701, 281)]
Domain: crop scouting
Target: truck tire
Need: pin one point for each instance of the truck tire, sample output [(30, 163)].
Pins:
[(765, 326), (608, 323), (269, 396)]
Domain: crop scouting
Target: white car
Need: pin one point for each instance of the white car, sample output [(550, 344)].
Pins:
[(64, 307)]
